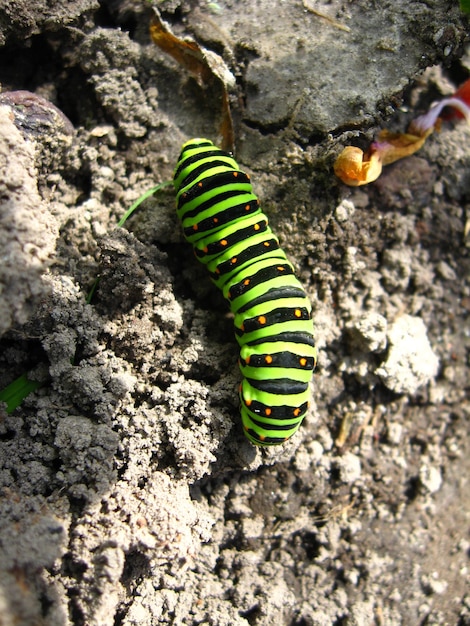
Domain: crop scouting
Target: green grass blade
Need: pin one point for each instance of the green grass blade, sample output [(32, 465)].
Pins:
[(141, 199), (14, 394)]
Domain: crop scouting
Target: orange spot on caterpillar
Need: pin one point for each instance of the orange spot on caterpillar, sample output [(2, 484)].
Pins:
[(233, 260), (199, 184), (247, 360), (280, 268), (303, 361), (261, 319), (195, 227), (248, 402), (296, 412), (268, 411), (298, 313), (256, 227), (223, 242), (268, 359), (215, 220), (247, 207), (235, 174), (205, 250), (266, 243), (246, 282)]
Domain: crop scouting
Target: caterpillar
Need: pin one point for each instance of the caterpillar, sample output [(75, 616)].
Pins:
[(222, 219)]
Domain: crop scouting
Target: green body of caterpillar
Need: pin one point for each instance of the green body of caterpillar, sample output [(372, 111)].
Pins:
[(222, 219)]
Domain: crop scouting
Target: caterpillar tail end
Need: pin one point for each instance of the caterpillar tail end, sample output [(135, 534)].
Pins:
[(260, 435)]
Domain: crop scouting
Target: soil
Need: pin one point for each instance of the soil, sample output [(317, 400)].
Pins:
[(128, 493)]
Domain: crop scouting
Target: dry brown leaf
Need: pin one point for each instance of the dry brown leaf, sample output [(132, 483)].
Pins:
[(207, 66)]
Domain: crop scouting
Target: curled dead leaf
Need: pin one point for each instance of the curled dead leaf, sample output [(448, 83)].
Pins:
[(355, 168), (394, 146)]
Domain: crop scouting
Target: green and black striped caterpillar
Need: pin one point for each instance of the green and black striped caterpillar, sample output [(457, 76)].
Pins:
[(222, 219)]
